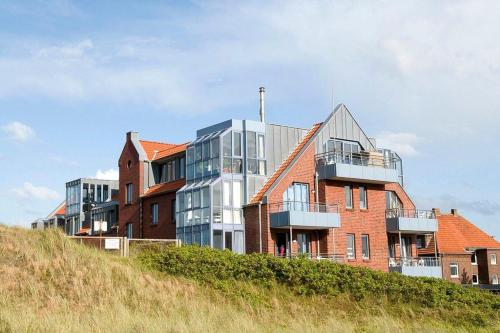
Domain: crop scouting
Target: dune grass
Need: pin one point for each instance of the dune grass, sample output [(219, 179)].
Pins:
[(51, 284)]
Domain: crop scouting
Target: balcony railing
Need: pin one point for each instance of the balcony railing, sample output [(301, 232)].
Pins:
[(415, 262), (361, 159), (298, 206), (409, 213)]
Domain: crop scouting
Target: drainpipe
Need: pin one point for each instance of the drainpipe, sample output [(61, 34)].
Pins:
[(316, 187), (140, 218), (260, 226)]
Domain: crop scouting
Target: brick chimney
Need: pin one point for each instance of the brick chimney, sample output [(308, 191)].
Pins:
[(454, 212), (436, 211)]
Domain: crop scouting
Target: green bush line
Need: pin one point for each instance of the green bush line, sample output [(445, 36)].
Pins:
[(309, 277)]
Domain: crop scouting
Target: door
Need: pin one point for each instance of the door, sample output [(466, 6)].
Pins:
[(229, 240), (304, 242), (281, 244), (406, 247)]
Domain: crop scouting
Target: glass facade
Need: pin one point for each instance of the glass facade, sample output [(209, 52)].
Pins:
[(209, 207)]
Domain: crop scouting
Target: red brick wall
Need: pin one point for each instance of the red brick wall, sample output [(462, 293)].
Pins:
[(129, 213), (370, 221), (485, 269), (165, 229), (465, 268)]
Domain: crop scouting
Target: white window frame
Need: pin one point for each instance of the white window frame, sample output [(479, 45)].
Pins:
[(351, 196), (363, 199), (493, 258), (367, 237), (477, 279), (154, 213), (474, 255), (494, 279), (351, 252), (458, 270)]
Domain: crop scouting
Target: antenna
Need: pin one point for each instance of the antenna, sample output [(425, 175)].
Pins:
[(333, 100)]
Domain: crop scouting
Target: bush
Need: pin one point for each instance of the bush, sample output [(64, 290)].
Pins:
[(308, 277)]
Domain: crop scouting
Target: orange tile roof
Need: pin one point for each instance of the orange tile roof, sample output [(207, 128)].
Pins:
[(164, 188), (152, 147), (83, 232), (61, 210), (456, 234), (279, 171), (171, 151)]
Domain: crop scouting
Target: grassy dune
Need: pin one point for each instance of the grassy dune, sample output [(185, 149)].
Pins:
[(50, 284)]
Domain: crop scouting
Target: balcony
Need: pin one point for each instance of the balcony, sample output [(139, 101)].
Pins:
[(304, 215), (421, 266), (411, 221), (366, 167)]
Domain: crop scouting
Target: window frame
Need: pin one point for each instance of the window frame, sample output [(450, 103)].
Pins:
[(477, 279), (474, 255), (363, 190), (493, 262), (367, 238), (346, 187), (353, 237), (454, 264), (129, 192), (155, 209)]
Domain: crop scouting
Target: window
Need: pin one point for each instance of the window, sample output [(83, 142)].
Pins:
[(365, 246), (99, 193), (251, 145), (229, 240), (420, 241), (129, 230), (261, 146), (473, 259), (129, 193), (237, 194), (351, 246), (154, 213), (237, 144), (475, 279), (493, 259), (392, 201), (494, 279), (105, 193), (218, 239), (348, 196), (363, 199), (454, 270), (296, 197), (226, 145), (304, 241), (172, 211), (256, 163)]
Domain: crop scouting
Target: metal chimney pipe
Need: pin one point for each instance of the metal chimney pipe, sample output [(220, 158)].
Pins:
[(262, 111)]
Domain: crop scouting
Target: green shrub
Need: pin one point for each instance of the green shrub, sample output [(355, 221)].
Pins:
[(309, 277)]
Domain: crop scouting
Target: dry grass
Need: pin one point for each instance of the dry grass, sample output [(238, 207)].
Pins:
[(50, 284)]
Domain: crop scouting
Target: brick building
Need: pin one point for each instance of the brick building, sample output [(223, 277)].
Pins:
[(469, 255), (150, 174)]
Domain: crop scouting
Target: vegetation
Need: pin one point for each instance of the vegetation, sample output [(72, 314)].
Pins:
[(51, 284)]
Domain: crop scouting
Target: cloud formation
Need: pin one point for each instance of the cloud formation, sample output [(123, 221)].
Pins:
[(30, 191), (110, 174), (402, 143), (18, 131)]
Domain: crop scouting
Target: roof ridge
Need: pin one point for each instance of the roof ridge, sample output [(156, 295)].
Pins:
[(174, 146), (286, 162), (162, 143)]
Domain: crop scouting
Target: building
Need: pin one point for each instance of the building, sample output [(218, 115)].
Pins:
[(82, 196), (150, 175), (54, 220), (326, 192), (469, 255)]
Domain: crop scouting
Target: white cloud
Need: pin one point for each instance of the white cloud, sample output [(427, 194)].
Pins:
[(18, 131), (402, 143), (29, 191), (110, 174)]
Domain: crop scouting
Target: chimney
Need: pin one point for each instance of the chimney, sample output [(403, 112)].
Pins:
[(262, 112), (454, 212), (132, 136), (436, 211)]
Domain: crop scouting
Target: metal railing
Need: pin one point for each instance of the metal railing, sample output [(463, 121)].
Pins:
[(409, 213), (415, 262), (314, 207), (361, 158), (339, 258)]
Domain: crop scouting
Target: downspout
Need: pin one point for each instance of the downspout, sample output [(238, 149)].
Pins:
[(260, 226), (140, 217)]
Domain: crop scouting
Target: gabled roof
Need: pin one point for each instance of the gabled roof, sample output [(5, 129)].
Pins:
[(60, 210), (456, 234), (171, 151), (164, 188), (286, 163), (152, 147)]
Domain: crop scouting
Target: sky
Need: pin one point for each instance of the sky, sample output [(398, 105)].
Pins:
[(423, 77)]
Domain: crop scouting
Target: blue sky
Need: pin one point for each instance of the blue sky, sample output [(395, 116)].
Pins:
[(421, 76)]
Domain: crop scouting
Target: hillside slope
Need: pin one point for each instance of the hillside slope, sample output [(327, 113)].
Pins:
[(51, 284)]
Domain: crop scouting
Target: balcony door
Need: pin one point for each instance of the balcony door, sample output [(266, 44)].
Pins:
[(406, 247), (296, 197), (304, 243)]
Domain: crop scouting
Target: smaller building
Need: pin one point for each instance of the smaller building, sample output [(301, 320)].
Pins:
[(54, 220), (469, 255), (85, 196)]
